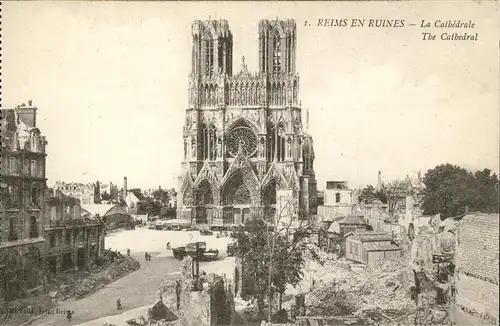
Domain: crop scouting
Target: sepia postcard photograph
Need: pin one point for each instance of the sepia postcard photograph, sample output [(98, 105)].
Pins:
[(198, 163)]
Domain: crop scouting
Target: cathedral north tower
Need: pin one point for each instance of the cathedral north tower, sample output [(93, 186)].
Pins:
[(212, 48)]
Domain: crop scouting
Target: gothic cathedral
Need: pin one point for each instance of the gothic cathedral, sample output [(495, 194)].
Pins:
[(246, 153)]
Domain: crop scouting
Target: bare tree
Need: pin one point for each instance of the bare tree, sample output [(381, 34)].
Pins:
[(396, 192), (273, 252), (293, 236)]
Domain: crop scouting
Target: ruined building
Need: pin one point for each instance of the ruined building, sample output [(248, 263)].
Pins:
[(72, 241), (84, 192), (23, 186), (246, 150)]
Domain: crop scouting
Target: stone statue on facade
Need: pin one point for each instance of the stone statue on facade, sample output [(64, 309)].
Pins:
[(219, 148), (193, 147), (289, 141), (185, 148)]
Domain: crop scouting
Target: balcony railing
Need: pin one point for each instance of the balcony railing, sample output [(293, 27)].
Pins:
[(72, 222)]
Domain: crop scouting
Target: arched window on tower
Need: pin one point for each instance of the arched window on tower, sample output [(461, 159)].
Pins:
[(220, 52), (213, 142), (277, 54), (209, 56), (271, 142), (337, 197), (204, 139), (280, 148)]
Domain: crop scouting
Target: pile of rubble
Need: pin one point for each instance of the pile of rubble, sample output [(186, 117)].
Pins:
[(82, 284), (382, 286), (315, 253), (158, 315)]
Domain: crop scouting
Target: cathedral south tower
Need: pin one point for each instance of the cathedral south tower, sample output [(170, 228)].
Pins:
[(246, 153)]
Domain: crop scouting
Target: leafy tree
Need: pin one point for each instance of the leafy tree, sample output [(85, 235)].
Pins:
[(148, 206), (288, 259), (367, 195), (253, 249), (450, 188), (161, 196), (105, 196), (113, 192), (382, 196), (272, 257), (486, 191)]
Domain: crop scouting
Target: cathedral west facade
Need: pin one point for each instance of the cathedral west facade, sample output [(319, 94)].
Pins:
[(246, 152)]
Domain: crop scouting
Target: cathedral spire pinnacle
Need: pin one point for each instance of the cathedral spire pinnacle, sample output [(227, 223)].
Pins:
[(307, 119), (243, 64)]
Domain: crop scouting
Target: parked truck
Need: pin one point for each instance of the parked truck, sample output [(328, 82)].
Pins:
[(203, 252)]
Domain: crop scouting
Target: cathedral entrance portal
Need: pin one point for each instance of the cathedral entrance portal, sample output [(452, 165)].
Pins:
[(241, 214), (204, 202), (237, 199)]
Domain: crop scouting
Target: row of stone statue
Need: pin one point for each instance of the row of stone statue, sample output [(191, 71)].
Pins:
[(276, 96), (277, 149)]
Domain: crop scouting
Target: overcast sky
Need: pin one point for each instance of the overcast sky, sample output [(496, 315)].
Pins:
[(110, 81)]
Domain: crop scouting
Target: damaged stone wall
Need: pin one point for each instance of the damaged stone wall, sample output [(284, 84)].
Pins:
[(477, 265), (213, 305)]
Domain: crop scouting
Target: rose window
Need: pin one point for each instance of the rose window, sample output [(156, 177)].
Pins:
[(242, 137)]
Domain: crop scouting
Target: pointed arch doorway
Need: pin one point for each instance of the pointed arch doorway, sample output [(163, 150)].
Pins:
[(204, 203), (237, 200)]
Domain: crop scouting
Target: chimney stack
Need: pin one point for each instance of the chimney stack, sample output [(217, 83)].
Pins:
[(124, 188), (379, 180)]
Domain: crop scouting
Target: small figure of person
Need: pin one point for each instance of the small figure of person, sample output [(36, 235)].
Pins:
[(168, 246), (118, 304), (149, 256), (178, 293), (69, 315), (146, 255), (128, 252)]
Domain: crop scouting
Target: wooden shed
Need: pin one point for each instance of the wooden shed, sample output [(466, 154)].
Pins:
[(370, 246)]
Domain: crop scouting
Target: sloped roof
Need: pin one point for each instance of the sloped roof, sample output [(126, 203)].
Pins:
[(478, 246), (374, 246), (333, 218), (334, 228), (353, 220), (366, 236), (104, 209), (131, 198)]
